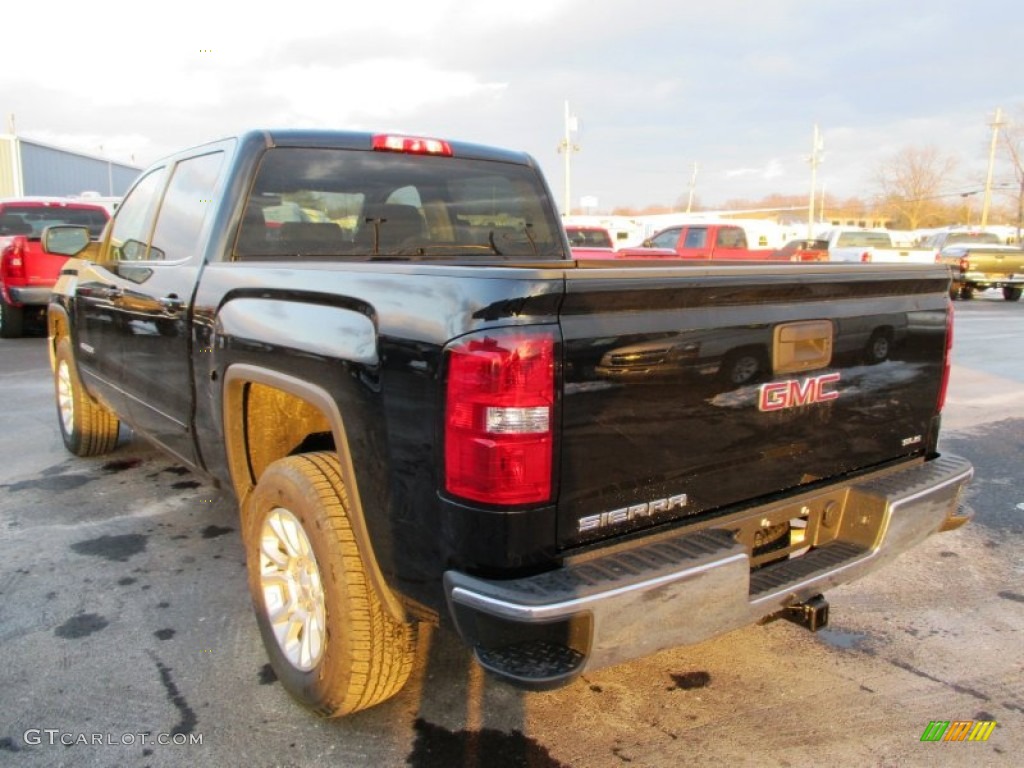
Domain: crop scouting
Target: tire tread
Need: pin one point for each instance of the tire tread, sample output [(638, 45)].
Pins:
[(380, 650)]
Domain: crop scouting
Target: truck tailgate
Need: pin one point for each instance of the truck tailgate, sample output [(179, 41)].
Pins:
[(692, 391), (1008, 262)]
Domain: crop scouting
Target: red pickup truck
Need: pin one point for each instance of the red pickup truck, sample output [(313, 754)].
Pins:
[(697, 241), (27, 274)]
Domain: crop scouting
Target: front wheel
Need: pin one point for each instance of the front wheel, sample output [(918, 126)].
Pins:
[(86, 426), (1011, 292), (331, 642), (742, 367)]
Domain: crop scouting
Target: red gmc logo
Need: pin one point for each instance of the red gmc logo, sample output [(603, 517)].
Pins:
[(779, 395)]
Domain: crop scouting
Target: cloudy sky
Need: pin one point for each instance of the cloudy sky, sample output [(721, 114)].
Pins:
[(735, 86)]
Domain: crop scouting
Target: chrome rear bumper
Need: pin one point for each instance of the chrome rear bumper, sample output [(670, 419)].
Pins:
[(541, 631)]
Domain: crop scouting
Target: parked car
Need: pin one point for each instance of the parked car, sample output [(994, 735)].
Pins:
[(412, 420), (27, 274), (589, 237), (697, 241), (590, 242), (978, 267), (868, 246), (940, 240), (802, 250)]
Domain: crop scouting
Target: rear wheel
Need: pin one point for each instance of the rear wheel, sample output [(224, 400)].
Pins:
[(12, 320), (331, 642), (966, 292), (87, 428), (878, 348), (1011, 292)]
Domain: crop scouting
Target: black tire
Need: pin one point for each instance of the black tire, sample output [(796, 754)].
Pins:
[(878, 348), (86, 426), (742, 366), (12, 320), (1011, 292), (344, 651), (967, 292)]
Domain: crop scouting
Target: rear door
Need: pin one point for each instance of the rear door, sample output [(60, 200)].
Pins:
[(694, 243), (691, 390)]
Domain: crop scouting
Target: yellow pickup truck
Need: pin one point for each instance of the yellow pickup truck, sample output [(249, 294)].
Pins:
[(978, 267)]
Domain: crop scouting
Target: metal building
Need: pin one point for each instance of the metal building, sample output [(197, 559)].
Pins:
[(29, 167)]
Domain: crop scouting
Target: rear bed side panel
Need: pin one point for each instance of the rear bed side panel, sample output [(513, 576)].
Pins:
[(661, 423), (375, 348)]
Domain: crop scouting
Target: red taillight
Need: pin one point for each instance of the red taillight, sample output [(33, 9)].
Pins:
[(965, 265), (944, 384), (866, 257), (12, 261), (413, 145), (499, 431)]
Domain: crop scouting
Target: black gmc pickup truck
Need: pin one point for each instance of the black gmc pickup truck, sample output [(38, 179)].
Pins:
[(430, 413)]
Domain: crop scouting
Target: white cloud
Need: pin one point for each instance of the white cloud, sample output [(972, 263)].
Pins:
[(382, 89), (773, 169)]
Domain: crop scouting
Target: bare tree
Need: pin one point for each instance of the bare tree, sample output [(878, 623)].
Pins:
[(910, 184), (1012, 139)]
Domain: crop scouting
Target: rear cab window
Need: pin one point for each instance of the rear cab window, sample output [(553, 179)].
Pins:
[(350, 204), (31, 220)]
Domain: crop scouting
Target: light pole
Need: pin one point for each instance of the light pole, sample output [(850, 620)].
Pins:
[(693, 186), (567, 147), (967, 204), (816, 147), (991, 165)]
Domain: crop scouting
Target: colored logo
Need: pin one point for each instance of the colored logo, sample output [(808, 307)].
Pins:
[(958, 730), (779, 395)]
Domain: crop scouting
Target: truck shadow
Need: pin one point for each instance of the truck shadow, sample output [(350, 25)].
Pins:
[(463, 716)]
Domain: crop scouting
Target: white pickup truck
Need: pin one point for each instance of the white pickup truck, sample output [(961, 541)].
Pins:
[(871, 246)]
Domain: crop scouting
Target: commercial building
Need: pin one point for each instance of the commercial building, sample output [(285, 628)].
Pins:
[(29, 167)]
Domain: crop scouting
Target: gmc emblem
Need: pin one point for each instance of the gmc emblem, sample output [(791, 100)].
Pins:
[(779, 395)]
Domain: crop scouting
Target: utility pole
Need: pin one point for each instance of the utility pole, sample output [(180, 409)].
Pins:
[(816, 147), (693, 186), (567, 147), (991, 166), (18, 173)]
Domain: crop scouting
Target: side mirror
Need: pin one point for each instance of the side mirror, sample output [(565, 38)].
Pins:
[(65, 240), (647, 243)]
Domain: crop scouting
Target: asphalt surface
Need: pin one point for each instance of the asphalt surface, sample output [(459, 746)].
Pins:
[(125, 620)]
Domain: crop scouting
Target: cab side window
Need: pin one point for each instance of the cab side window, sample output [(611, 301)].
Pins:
[(731, 237), (666, 239), (129, 238), (186, 207), (696, 237)]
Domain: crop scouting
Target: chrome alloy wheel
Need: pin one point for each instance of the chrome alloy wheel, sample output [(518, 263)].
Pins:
[(65, 397), (293, 594)]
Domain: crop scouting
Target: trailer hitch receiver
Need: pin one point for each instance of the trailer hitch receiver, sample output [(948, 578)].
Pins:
[(812, 615)]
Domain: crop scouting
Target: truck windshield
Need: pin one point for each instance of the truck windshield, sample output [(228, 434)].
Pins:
[(355, 204)]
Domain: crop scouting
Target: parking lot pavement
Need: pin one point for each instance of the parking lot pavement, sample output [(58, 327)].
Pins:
[(125, 622)]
